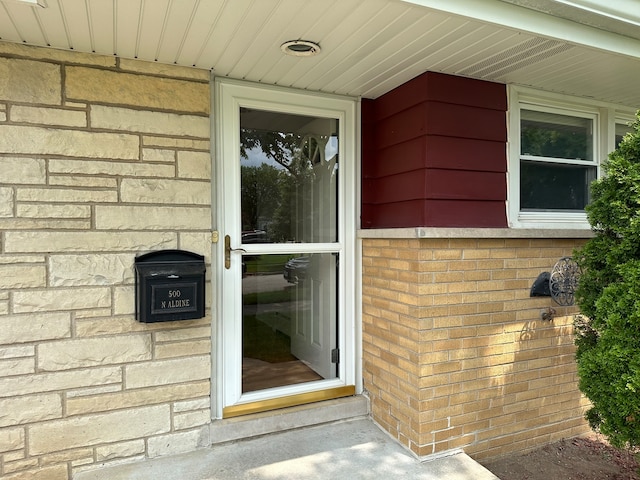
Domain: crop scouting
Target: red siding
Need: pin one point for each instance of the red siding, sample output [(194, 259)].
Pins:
[(434, 154)]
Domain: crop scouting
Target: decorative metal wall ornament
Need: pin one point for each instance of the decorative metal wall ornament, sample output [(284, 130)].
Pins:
[(563, 281), (560, 283)]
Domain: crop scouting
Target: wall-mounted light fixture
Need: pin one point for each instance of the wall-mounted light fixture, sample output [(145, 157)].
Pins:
[(560, 284)]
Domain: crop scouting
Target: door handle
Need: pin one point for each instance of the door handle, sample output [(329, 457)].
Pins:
[(228, 250)]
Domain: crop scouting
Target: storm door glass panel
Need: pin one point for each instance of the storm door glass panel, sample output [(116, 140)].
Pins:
[(289, 320), (289, 185), (289, 174)]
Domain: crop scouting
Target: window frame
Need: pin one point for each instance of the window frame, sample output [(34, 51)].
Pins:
[(604, 117)]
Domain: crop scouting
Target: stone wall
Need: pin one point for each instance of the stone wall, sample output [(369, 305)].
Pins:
[(456, 353), (101, 159)]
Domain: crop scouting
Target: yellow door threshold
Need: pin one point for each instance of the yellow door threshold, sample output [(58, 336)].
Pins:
[(289, 401)]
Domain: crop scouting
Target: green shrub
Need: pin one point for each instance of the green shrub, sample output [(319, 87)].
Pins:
[(608, 331)]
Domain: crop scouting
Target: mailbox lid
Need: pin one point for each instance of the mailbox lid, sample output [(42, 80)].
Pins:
[(169, 256)]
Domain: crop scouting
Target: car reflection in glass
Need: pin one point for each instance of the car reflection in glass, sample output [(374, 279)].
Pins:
[(295, 270)]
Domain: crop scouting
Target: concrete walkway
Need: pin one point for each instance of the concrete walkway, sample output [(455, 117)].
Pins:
[(352, 450)]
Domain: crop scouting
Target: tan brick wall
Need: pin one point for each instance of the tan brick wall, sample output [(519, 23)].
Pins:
[(101, 159), (456, 354)]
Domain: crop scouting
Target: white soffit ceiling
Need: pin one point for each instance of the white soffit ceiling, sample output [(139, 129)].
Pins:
[(368, 46)]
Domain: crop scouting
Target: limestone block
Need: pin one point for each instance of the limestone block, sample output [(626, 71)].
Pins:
[(34, 327), (97, 269), (75, 455), (66, 195), (104, 86), (182, 334), (158, 155), (61, 299), (88, 460), (11, 439), (191, 405), (16, 466), (98, 429), (44, 224), (70, 143), (172, 350), (30, 82), (30, 409), (93, 391), (34, 210), (51, 382), (31, 242), (189, 143), (90, 352), (194, 419), (166, 372), (17, 352), (194, 165), (119, 450), (45, 53), (175, 443), (12, 259), (134, 398), (152, 190), (84, 167), (124, 301), (144, 121), (12, 456), (48, 116), (93, 181), (6, 202), (151, 218), (22, 276), (71, 104), (164, 69), (17, 366), (53, 472), (114, 325), (22, 171)]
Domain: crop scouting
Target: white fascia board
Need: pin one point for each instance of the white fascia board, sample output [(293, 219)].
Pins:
[(531, 21), (625, 11)]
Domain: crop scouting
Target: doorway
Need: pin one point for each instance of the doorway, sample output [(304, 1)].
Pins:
[(286, 201)]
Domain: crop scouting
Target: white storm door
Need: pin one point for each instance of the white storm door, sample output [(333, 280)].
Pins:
[(287, 228)]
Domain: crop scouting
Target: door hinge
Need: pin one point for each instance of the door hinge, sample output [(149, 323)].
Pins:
[(214, 236), (335, 355)]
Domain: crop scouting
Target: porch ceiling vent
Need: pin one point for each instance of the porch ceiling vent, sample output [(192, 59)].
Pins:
[(300, 48)]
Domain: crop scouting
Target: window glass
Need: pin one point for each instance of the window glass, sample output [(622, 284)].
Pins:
[(554, 186), (553, 135), (621, 130)]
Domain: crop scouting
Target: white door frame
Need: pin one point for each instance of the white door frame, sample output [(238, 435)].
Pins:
[(229, 96)]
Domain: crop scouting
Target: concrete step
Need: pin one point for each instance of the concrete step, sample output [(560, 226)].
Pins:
[(348, 449)]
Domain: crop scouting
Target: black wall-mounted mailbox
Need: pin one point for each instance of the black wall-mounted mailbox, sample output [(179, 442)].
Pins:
[(169, 286)]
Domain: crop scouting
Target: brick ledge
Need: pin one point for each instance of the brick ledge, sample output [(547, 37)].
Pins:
[(435, 232)]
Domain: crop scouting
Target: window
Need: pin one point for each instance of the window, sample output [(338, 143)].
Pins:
[(556, 160), (622, 128), (556, 148)]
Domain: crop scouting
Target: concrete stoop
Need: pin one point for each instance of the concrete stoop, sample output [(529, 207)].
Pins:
[(350, 449)]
